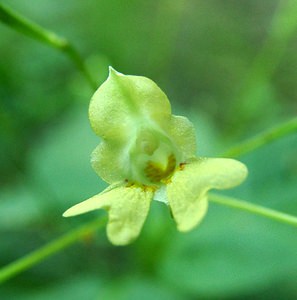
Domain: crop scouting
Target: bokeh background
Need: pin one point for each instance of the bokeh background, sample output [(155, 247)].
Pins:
[(229, 66)]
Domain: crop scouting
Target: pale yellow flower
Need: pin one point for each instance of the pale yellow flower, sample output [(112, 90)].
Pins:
[(147, 153)]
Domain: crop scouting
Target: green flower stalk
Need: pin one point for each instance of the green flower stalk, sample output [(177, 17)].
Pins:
[(147, 153)]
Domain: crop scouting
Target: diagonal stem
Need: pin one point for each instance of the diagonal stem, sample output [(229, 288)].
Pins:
[(49, 249), (33, 30), (263, 139), (252, 92), (253, 208)]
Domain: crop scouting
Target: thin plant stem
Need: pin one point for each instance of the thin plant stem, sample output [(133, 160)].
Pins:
[(282, 29), (33, 30), (249, 99), (253, 208), (263, 139), (49, 249)]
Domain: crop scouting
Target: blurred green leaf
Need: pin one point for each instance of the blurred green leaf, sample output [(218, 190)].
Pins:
[(61, 161), (232, 253), (74, 288)]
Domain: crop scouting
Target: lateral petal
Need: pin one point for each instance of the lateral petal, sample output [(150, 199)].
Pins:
[(187, 191), (127, 210)]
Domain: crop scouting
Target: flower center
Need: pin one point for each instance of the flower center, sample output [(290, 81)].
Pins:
[(156, 173), (153, 157)]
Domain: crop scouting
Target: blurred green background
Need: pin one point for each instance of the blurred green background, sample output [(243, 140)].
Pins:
[(229, 66)]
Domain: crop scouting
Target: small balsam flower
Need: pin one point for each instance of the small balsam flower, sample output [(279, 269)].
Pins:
[(147, 153)]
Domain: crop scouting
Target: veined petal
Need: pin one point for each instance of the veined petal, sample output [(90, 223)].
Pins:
[(188, 187), (127, 210), (124, 101)]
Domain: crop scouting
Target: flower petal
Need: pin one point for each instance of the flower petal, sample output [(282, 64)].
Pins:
[(182, 132), (127, 209), (108, 161), (123, 101), (188, 187)]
